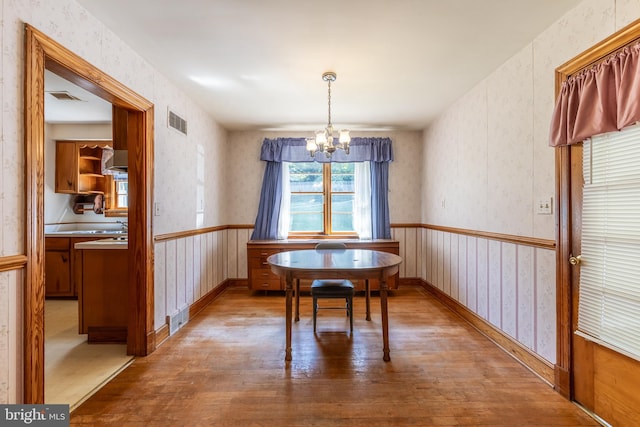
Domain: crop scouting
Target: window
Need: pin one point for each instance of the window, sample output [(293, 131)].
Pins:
[(116, 195), (322, 198), (122, 199), (609, 300)]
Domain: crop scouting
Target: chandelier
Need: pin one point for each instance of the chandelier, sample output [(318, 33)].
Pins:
[(324, 141)]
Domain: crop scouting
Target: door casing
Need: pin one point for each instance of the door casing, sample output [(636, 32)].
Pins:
[(575, 354), (42, 52)]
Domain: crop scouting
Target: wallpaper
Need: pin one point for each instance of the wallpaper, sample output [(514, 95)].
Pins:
[(481, 165)]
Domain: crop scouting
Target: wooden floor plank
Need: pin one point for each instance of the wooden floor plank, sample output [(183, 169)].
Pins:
[(226, 368)]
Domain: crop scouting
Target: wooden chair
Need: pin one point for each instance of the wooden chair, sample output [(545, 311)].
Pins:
[(332, 289)]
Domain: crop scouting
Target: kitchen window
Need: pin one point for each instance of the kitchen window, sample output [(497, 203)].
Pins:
[(117, 195)]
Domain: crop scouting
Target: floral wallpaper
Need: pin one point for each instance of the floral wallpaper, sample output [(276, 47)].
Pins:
[(481, 165)]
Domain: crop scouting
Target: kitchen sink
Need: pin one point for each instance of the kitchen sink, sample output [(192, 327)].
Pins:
[(98, 232)]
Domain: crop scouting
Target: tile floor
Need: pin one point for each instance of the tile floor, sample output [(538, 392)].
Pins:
[(74, 370)]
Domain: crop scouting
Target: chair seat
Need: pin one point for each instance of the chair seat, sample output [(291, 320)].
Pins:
[(330, 287), (333, 289)]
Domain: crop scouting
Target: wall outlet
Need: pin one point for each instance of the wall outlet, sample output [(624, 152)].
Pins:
[(544, 206)]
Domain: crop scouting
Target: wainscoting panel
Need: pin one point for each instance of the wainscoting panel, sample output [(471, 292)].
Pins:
[(509, 285), (10, 335), (190, 265)]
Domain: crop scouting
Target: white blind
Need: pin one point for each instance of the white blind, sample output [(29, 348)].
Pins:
[(609, 301)]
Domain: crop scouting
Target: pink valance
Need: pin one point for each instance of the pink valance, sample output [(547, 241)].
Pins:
[(603, 98)]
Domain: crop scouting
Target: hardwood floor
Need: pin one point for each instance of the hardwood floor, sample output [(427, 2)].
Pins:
[(226, 368)]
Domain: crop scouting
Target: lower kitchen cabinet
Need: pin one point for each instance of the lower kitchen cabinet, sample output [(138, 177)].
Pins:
[(61, 272), (103, 294), (58, 272)]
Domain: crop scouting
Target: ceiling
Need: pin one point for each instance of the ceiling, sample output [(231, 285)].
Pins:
[(86, 108), (257, 64)]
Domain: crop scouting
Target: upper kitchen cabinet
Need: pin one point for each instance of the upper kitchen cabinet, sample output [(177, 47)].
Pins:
[(120, 123), (79, 166)]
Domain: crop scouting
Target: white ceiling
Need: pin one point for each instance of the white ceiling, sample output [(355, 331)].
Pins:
[(88, 108), (257, 64)]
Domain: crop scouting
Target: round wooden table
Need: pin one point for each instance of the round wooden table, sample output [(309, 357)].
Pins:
[(351, 264)]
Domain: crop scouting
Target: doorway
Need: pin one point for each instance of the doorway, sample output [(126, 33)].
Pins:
[(74, 367), (586, 372), (42, 52)]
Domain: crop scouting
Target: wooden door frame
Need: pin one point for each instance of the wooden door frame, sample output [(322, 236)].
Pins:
[(42, 53), (564, 298)]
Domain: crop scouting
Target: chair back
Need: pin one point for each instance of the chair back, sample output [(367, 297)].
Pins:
[(331, 245)]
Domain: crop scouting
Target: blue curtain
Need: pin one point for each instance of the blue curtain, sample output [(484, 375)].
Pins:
[(380, 221), (266, 227), (295, 150), (378, 151)]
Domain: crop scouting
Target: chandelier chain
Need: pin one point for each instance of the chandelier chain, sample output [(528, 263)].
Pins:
[(325, 141), (329, 97)]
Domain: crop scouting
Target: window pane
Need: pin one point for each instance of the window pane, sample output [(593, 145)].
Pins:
[(122, 187), (341, 222), (342, 203), (306, 203), (306, 222), (123, 201), (342, 177), (305, 177), (307, 211), (342, 212)]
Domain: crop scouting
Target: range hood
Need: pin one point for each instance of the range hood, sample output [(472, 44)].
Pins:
[(118, 162)]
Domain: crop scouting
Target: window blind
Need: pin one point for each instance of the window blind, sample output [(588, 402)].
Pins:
[(609, 295)]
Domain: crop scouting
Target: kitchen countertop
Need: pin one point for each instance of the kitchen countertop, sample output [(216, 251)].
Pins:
[(84, 233), (119, 242)]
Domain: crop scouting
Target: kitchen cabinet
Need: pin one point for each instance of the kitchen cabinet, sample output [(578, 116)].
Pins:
[(79, 166), (61, 262), (103, 292), (261, 277), (58, 271)]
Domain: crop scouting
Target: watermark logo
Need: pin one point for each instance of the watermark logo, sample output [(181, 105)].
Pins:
[(34, 415)]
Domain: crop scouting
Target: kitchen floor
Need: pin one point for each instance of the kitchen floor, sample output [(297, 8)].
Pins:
[(74, 370)]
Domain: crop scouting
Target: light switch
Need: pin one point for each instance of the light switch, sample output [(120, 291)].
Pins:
[(156, 209), (544, 206)]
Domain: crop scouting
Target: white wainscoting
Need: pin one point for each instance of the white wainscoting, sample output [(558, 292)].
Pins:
[(11, 335), (187, 268), (511, 286)]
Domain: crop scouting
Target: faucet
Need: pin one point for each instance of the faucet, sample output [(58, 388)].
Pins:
[(124, 225)]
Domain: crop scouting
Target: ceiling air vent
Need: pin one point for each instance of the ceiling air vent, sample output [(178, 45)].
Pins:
[(177, 122), (63, 95)]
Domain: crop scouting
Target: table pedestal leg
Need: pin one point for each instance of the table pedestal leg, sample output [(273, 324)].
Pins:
[(289, 297), (385, 320)]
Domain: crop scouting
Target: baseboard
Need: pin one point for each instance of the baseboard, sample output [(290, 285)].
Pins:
[(563, 381), (539, 366), (162, 333), (107, 335)]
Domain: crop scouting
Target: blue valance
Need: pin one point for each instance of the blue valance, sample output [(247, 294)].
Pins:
[(295, 150)]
